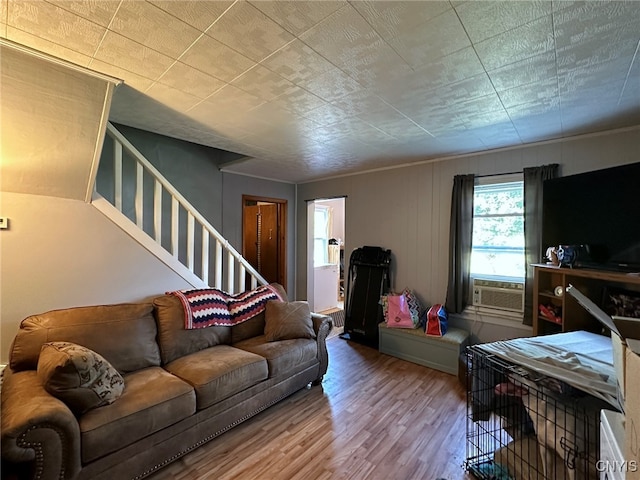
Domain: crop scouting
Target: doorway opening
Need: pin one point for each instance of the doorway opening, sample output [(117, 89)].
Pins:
[(264, 233), (325, 259)]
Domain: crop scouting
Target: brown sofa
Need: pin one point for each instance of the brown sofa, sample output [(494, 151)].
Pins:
[(182, 387)]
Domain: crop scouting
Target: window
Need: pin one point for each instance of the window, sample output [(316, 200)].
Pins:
[(321, 224), (498, 228)]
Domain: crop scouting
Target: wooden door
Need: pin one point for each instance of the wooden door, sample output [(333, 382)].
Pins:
[(263, 235)]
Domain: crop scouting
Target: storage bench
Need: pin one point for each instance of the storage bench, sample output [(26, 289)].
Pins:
[(440, 353)]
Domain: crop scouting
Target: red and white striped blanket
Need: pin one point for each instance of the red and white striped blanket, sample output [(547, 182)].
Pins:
[(205, 307)]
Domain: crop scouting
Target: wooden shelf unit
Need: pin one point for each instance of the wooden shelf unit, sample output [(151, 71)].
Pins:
[(571, 315)]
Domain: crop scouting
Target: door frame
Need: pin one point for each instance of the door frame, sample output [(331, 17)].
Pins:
[(281, 226), (310, 206)]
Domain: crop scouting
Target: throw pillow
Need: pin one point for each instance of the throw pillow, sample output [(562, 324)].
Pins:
[(288, 320), (78, 376)]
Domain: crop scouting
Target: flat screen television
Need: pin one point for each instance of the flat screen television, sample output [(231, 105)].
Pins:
[(600, 209)]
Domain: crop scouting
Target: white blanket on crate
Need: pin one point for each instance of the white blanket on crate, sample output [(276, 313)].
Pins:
[(581, 359)]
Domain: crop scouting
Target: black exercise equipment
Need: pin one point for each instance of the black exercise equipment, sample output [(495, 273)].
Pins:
[(367, 281)]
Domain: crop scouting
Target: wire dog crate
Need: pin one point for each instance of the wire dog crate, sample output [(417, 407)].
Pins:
[(525, 426)]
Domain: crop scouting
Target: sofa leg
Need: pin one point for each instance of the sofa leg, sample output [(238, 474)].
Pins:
[(317, 381)]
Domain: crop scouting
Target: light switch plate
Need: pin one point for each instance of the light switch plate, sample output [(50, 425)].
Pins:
[(4, 223)]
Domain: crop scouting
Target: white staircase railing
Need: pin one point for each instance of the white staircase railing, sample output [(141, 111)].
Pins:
[(200, 248)]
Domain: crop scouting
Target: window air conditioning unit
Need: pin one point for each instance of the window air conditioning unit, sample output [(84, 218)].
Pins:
[(498, 294)]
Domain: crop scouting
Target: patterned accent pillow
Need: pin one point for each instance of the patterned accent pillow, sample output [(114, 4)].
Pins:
[(287, 320), (78, 376)]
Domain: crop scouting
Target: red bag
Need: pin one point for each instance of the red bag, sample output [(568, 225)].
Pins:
[(398, 312), (437, 320)]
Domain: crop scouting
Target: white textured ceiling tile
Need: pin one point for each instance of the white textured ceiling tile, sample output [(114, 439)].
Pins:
[(200, 14), (535, 128), (98, 11), (464, 114), (585, 20), (360, 102), (297, 62), (139, 111), (394, 124), (530, 70), (147, 24), (302, 124), (392, 18), (354, 47), (47, 46), (221, 119), (451, 69), (56, 25), (249, 31), (459, 142), (331, 85), (481, 112), (341, 97), (547, 108), (296, 16), (529, 40), (385, 68), (598, 49), (190, 80), (483, 20), (300, 101), (131, 79), (497, 135), (186, 130), (360, 130), (329, 133), (436, 38), (466, 90), (129, 55), (579, 120), (214, 58), (576, 113), (609, 75), (541, 91), (263, 83), (172, 97), (231, 97), (416, 102), (632, 82), (326, 114)]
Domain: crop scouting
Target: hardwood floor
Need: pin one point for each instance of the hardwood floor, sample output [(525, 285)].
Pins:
[(374, 417)]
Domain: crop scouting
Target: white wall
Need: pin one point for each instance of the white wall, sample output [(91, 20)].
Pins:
[(61, 253), (407, 209)]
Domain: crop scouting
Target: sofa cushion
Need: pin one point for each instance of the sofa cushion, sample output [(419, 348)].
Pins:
[(219, 372), (284, 356), (288, 320), (175, 341), (78, 376), (153, 399), (124, 334), (255, 326)]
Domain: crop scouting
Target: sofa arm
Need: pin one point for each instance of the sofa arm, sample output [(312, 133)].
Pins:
[(38, 428), (322, 325)]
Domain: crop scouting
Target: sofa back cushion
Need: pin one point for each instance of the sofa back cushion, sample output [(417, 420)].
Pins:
[(176, 341), (255, 326), (124, 334)]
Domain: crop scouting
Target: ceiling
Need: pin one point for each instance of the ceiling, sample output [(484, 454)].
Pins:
[(303, 90)]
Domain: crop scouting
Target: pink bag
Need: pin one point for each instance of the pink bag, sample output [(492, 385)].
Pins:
[(398, 312)]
